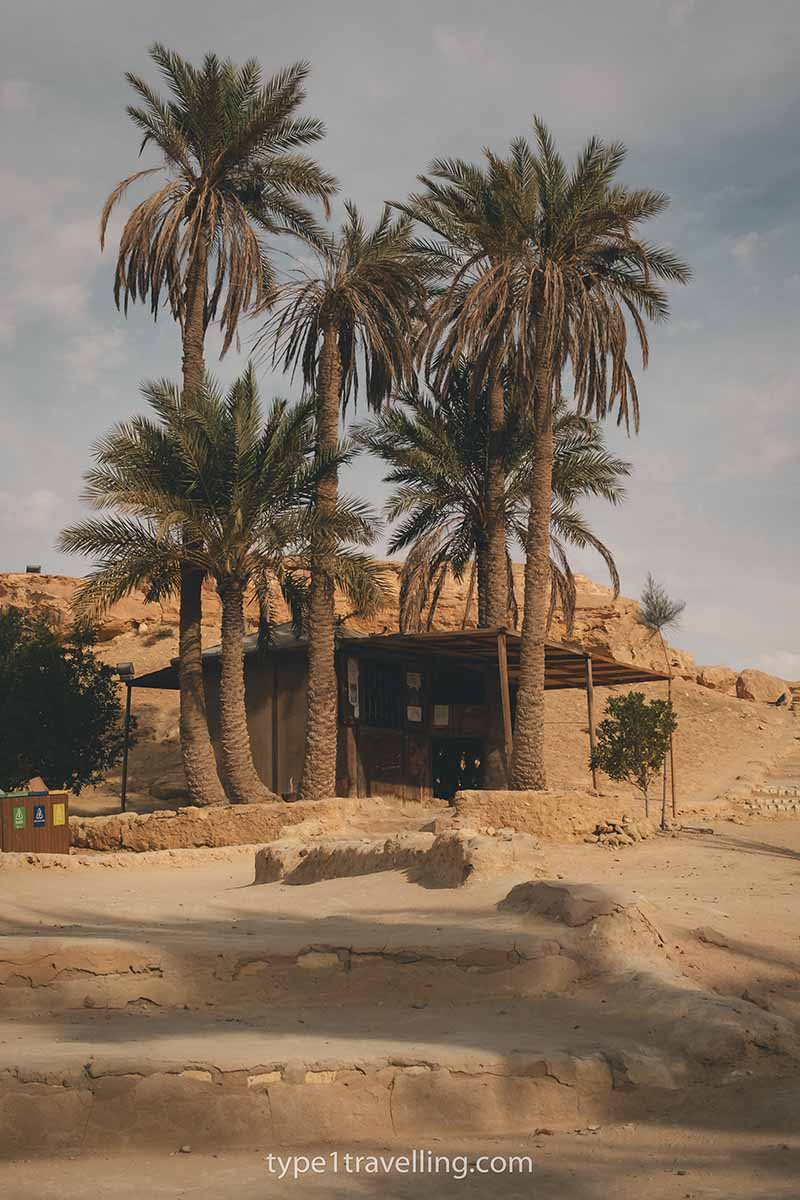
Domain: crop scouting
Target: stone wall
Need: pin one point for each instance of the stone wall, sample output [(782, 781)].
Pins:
[(186, 828), (566, 816)]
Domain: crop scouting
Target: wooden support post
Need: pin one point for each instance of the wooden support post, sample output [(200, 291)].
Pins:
[(590, 710), (505, 695), (672, 762), (123, 793), (351, 756), (275, 700)]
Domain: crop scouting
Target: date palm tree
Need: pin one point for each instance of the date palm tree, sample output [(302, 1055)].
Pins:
[(438, 459), (211, 482), (585, 275), (480, 217), (233, 180), (575, 272), (346, 323)]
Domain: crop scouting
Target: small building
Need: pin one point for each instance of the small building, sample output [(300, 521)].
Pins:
[(412, 707)]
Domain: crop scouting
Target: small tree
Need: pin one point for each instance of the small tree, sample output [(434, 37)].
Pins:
[(658, 612), (633, 740), (60, 712)]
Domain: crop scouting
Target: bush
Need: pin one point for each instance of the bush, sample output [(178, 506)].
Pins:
[(60, 712), (633, 740)]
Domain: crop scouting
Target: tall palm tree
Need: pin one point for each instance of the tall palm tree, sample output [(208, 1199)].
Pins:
[(344, 321), (479, 217), (234, 180), (438, 455), (479, 221), (584, 274), (211, 482), (574, 272)]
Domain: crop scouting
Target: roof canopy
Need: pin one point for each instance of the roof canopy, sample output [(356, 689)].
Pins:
[(565, 666)]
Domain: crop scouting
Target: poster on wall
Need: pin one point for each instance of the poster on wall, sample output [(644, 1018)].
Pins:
[(352, 684)]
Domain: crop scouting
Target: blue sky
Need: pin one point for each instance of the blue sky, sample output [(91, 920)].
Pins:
[(703, 92)]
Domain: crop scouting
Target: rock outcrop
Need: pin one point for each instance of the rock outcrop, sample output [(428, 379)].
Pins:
[(757, 685), (718, 679)]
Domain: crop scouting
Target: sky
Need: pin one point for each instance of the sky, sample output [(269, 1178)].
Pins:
[(704, 93)]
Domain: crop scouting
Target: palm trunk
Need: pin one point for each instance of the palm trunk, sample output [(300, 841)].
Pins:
[(244, 782), (319, 764), (528, 765), (496, 571), (470, 594), (199, 762), (480, 558)]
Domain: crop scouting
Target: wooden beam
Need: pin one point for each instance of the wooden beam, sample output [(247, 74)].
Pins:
[(123, 791), (590, 709), (505, 695), (274, 734)]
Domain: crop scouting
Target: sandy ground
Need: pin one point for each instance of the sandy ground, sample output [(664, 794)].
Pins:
[(750, 1151), (741, 881)]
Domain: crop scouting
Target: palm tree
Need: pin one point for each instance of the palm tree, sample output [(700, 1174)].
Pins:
[(438, 455), (658, 612), (575, 274), (229, 144), (344, 321), (479, 218), (210, 482)]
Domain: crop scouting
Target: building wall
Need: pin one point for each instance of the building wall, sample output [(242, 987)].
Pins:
[(262, 690)]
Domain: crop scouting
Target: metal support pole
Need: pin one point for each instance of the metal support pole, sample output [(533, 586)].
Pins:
[(590, 710), (505, 695), (124, 784)]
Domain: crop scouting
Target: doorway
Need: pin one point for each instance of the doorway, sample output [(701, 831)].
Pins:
[(457, 766)]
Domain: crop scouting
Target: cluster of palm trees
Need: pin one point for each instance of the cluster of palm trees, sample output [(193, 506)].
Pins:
[(459, 317)]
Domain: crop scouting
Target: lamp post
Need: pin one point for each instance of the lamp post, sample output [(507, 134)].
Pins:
[(126, 675)]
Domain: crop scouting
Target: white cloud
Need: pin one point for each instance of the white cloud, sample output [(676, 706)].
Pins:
[(16, 96), (466, 48), (679, 13), (89, 355), (36, 511), (52, 258), (748, 247), (783, 663)]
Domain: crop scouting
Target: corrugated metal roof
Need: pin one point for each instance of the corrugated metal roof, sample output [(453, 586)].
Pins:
[(565, 666)]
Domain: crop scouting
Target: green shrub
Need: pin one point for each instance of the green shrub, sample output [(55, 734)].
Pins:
[(60, 712)]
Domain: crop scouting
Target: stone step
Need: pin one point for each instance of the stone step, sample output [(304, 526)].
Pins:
[(91, 1081), (48, 975), (306, 1077)]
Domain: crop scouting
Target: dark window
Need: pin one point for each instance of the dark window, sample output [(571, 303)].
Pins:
[(381, 694), (454, 686)]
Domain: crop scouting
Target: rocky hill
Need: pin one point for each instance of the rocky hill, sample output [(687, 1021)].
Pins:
[(720, 739), (146, 633)]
